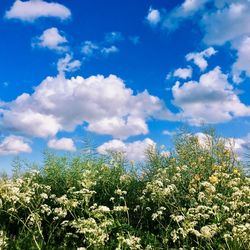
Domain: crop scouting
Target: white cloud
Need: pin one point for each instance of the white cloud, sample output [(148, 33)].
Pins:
[(33, 9), (51, 39), (211, 100), (230, 21), (132, 151), (183, 73), (13, 145), (171, 20), (120, 127), (89, 48), (110, 50), (199, 57), (242, 63), (29, 121), (233, 19), (67, 64), (103, 105), (66, 144), (104, 47), (153, 17)]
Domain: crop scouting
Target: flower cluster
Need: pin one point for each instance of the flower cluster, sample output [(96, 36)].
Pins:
[(193, 198)]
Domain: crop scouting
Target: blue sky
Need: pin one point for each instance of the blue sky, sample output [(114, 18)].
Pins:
[(125, 74)]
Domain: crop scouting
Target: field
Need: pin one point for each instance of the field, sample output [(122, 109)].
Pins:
[(196, 197)]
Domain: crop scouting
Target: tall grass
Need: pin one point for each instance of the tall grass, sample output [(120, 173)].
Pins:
[(197, 197)]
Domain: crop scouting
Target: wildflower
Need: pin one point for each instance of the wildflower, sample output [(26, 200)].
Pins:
[(3, 240), (44, 196), (120, 192), (45, 209), (192, 191), (120, 208), (213, 179), (209, 187), (174, 235), (201, 196), (209, 231), (197, 177), (236, 171), (103, 209), (60, 212), (133, 242), (177, 218), (124, 178)]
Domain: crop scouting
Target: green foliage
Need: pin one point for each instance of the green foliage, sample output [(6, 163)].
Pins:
[(196, 197)]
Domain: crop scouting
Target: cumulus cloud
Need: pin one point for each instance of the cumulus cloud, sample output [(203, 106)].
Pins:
[(65, 144), (211, 100), (231, 17), (132, 151), (183, 73), (153, 17), (199, 58), (51, 39), (103, 105), (242, 63), (33, 9), (13, 145)]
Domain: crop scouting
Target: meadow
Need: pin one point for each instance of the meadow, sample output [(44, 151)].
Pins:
[(196, 197)]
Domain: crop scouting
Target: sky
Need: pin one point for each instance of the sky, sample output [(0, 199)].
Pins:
[(124, 75)]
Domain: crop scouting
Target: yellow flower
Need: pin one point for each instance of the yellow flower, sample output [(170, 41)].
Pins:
[(213, 179), (197, 177), (236, 171), (215, 167)]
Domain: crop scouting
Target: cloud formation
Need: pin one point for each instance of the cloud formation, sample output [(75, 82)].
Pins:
[(13, 145), (231, 17), (135, 151), (51, 39), (242, 63), (199, 58), (172, 19), (103, 105), (90, 49), (31, 10), (210, 100), (153, 17), (183, 73), (65, 144), (67, 64)]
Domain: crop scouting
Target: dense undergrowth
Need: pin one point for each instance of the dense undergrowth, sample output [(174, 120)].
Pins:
[(197, 197)]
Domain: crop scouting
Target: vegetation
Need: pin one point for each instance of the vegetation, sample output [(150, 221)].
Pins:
[(196, 197)]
